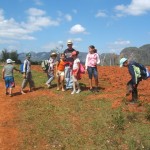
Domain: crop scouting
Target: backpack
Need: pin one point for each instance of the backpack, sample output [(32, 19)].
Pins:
[(82, 69), (143, 71), (21, 67), (44, 65)]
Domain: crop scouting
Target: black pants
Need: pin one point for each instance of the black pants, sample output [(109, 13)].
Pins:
[(130, 85)]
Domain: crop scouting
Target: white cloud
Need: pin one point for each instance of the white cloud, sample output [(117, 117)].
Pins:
[(137, 7), (36, 20), (101, 13), (75, 11), (77, 29), (38, 2), (35, 12), (68, 17), (78, 39), (118, 45)]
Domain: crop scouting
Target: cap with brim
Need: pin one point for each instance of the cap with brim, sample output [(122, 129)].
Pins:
[(69, 42), (53, 54), (73, 53), (28, 54), (9, 61), (122, 61)]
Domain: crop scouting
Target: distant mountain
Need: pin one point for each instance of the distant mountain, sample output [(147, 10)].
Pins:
[(141, 54)]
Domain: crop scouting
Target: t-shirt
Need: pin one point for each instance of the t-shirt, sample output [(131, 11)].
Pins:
[(75, 63), (8, 70), (61, 65), (68, 54)]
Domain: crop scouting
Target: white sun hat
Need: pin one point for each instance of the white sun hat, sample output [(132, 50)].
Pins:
[(69, 42), (9, 61), (122, 60)]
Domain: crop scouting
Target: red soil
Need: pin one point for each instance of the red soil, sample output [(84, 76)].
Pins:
[(112, 81)]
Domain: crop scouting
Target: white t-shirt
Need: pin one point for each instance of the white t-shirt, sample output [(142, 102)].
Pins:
[(75, 63)]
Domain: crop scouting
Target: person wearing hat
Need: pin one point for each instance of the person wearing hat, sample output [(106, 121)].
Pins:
[(7, 74), (27, 75), (68, 69), (50, 72), (135, 73)]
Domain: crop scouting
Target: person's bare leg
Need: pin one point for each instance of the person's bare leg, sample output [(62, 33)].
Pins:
[(62, 83), (90, 81), (58, 83)]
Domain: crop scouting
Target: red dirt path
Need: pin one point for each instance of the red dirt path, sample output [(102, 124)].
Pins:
[(115, 78)]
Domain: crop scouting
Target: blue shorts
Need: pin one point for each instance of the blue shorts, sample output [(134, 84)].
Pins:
[(92, 71), (9, 82)]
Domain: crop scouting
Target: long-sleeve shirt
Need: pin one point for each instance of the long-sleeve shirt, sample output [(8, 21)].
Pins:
[(92, 60)]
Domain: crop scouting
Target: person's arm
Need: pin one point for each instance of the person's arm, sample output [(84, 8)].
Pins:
[(98, 59), (86, 62), (57, 63), (24, 69), (132, 73), (3, 72)]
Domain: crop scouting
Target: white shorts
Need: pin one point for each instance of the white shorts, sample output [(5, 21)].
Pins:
[(60, 73)]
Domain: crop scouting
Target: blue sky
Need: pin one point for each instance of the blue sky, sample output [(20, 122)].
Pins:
[(43, 25)]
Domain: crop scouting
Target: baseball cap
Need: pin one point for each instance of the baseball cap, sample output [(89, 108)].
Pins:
[(69, 42), (122, 60), (28, 54), (9, 61)]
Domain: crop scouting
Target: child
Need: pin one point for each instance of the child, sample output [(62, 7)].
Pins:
[(136, 77), (7, 74), (60, 71), (50, 71), (76, 72), (92, 59)]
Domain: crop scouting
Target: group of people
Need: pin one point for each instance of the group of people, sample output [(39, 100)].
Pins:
[(67, 69), (7, 75)]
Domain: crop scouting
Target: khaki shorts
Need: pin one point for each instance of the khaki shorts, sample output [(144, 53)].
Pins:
[(60, 73)]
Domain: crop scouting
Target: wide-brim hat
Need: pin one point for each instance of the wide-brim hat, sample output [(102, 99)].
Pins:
[(53, 54)]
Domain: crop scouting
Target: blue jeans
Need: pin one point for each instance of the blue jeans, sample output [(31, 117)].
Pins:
[(68, 77), (92, 71), (50, 78)]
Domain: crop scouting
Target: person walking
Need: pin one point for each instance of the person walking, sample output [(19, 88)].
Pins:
[(7, 75), (68, 67), (27, 75), (50, 71), (136, 77), (92, 60), (76, 75)]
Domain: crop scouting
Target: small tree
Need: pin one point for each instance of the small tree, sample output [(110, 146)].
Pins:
[(5, 55)]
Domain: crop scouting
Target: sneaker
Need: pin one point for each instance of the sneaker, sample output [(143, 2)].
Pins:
[(91, 90), (96, 90), (78, 91), (23, 92), (73, 92)]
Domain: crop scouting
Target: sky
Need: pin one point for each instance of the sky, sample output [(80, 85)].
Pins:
[(44, 25)]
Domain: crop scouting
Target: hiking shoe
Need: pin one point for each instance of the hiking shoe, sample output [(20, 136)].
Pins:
[(92, 90), (7, 93), (78, 91), (22, 92), (73, 92), (96, 90)]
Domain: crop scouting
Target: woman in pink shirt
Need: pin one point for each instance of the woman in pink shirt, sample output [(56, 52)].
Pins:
[(92, 60)]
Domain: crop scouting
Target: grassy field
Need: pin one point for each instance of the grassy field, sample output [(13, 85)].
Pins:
[(55, 120)]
